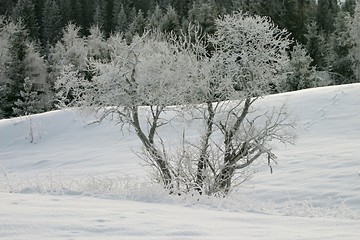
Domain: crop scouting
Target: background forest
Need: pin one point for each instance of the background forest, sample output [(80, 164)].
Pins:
[(39, 36)]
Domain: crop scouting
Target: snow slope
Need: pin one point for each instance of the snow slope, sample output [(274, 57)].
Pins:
[(78, 181)]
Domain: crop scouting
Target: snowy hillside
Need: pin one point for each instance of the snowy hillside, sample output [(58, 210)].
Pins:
[(79, 181)]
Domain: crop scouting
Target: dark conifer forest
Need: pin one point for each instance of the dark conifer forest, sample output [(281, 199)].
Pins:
[(36, 36)]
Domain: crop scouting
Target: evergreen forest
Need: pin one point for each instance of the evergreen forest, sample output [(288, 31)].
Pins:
[(39, 36)]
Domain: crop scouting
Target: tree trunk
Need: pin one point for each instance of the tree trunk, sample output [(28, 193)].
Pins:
[(203, 160), (158, 159)]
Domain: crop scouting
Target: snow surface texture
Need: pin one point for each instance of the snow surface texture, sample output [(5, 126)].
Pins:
[(78, 181)]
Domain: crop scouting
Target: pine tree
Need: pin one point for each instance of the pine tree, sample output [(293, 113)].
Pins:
[(341, 46), (154, 19), (137, 26), (250, 6), (36, 72), (99, 17), (355, 42), (15, 68), (71, 49), (301, 74), (66, 10), (24, 63), (29, 101), (96, 44), (78, 14), (121, 23), (317, 47), (143, 5), (170, 21), (52, 22), (274, 9), (4, 59), (297, 15), (204, 14), (6, 7), (325, 15), (349, 6), (24, 11)]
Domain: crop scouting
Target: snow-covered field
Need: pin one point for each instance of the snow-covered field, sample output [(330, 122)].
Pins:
[(78, 181)]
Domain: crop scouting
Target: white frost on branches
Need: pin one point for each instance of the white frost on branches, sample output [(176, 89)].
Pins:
[(252, 51), (217, 88)]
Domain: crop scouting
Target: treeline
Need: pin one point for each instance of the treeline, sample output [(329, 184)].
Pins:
[(35, 38)]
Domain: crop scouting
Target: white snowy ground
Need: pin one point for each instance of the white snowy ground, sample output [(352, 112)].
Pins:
[(85, 182)]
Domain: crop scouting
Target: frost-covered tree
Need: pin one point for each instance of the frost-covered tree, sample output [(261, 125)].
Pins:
[(15, 67), (154, 19), (96, 44), (250, 58), (71, 49), (23, 62), (170, 21), (138, 25), (147, 72), (143, 80), (120, 20), (29, 101), (301, 74), (100, 13)]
